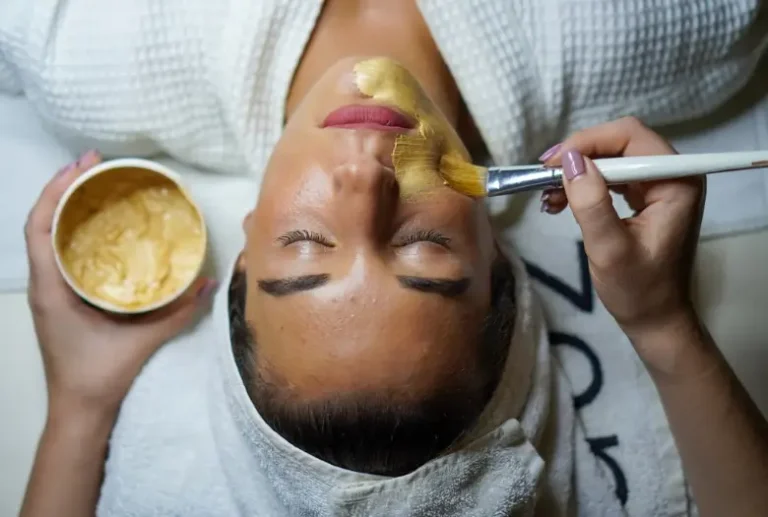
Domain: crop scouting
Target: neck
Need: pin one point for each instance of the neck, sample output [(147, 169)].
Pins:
[(393, 29)]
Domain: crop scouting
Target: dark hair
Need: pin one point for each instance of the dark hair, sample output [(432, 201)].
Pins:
[(377, 435)]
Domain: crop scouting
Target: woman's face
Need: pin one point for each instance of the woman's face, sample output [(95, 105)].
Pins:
[(353, 287)]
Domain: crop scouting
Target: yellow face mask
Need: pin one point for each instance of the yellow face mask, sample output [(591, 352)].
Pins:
[(417, 156), (131, 240)]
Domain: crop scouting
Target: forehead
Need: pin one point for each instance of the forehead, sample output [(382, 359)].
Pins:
[(370, 337)]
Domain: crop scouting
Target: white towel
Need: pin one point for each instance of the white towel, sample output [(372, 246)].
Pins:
[(616, 404)]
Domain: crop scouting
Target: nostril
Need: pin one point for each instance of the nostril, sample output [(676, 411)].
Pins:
[(365, 175)]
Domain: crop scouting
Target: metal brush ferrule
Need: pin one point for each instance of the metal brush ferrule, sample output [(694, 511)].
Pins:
[(511, 180)]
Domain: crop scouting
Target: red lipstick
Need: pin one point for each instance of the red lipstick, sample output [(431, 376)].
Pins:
[(379, 118)]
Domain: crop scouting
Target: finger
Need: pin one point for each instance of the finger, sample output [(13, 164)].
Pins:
[(41, 216), (679, 203), (553, 201), (38, 227), (633, 194), (699, 187), (592, 206), (623, 137), (164, 324), (555, 196)]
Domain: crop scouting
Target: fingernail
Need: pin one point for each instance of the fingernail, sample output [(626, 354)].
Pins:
[(549, 153), (89, 159), (207, 288), (573, 164)]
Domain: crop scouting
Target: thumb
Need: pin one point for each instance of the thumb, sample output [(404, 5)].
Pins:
[(591, 204), (170, 321)]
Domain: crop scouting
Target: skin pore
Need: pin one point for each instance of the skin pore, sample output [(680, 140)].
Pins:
[(353, 288)]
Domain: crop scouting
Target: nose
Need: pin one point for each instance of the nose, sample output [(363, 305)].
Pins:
[(362, 160), (364, 176), (366, 194), (366, 187)]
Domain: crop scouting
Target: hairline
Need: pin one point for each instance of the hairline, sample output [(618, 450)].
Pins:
[(494, 336)]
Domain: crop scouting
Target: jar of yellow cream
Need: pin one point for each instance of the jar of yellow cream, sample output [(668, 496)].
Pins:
[(127, 236)]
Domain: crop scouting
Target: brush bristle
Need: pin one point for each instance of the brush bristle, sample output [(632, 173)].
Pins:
[(463, 176)]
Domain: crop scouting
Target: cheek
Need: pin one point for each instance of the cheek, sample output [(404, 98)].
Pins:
[(483, 230), (247, 221)]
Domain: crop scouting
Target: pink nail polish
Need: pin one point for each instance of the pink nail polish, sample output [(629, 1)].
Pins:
[(89, 159), (573, 164), (549, 153), (67, 168)]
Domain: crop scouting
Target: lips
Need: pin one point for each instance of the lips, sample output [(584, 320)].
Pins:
[(378, 118)]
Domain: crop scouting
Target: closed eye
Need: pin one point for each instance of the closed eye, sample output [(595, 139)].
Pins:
[(423, 236), (304, 236)]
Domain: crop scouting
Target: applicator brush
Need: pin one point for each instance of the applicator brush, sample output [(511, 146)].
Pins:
[(476, 181)]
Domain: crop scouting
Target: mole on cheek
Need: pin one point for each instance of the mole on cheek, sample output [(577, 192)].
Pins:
[(416, 155)]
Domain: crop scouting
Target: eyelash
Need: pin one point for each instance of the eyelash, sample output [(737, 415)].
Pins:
[(424, 235), (418, 236), (304, 235)]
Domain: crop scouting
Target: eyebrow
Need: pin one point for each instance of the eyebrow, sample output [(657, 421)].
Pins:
[(292, 285), (445, 287)]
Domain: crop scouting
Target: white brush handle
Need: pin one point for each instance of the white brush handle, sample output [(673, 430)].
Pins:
[(646, 168), (502, 181)]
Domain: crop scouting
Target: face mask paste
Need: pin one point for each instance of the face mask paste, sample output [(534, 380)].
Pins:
[(416, 156), (131, 239)]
